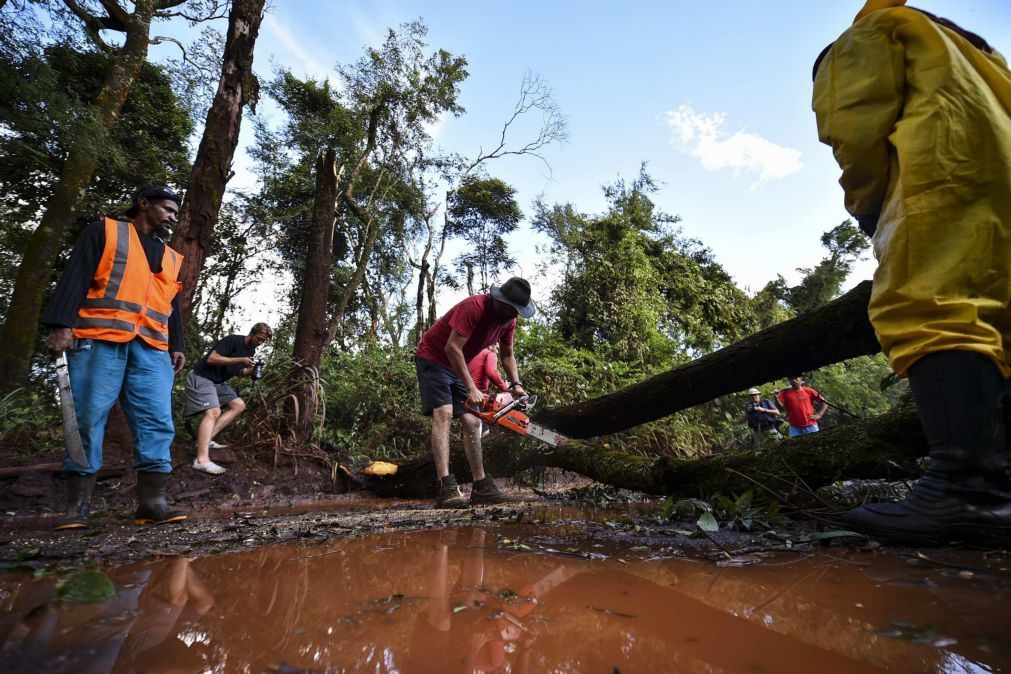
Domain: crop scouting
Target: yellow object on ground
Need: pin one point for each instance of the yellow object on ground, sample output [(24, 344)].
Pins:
[(920, 122), (380, 468)]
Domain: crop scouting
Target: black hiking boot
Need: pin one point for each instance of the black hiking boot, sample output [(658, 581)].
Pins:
[(152, 508), (486, 493), (965, 494), (79, 488), (447, 493)]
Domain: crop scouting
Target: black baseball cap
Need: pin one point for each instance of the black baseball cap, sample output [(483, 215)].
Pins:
[(152, 193)]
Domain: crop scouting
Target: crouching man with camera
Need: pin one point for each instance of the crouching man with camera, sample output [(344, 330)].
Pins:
[(208, 393)]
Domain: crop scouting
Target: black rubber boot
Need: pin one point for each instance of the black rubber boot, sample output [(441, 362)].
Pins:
[(152, 508), (79, 488), (965, 494)]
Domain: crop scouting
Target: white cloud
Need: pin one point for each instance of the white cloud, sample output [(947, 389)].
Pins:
[(310, 65), (701, 135)]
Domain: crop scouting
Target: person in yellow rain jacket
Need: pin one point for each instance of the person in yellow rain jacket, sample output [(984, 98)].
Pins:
[(918, 113)]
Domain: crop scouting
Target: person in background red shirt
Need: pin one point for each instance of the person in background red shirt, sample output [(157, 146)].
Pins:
[(484, 370), (799, 402), (447, 385)]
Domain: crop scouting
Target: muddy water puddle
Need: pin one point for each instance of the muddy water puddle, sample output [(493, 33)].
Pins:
[(517, 598)]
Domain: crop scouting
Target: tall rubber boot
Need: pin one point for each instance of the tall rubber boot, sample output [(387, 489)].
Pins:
[(152, 508), (79, 488), (965, 494)]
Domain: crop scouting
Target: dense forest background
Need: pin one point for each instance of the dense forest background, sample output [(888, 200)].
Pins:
[(351, 229)]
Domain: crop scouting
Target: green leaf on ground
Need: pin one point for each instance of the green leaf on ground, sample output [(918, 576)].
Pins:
[(707, 522), (90, 586)]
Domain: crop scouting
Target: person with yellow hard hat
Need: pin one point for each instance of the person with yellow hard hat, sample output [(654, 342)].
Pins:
[(918, 113)]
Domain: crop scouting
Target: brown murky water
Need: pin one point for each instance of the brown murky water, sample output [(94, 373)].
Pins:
[(513, 599)]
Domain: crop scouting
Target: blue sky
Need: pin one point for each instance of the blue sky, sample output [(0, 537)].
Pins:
[(714, 96)]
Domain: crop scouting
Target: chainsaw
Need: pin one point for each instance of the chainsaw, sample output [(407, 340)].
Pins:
[(513, 416)]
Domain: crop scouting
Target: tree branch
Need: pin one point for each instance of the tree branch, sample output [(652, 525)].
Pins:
[(534, 95), (93, 25), (116, 12), (161, 5)]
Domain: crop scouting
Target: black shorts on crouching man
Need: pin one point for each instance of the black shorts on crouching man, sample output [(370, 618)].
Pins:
[(439, 387)]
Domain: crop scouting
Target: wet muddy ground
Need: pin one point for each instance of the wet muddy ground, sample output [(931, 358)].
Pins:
[(527, 588), (279, 570)]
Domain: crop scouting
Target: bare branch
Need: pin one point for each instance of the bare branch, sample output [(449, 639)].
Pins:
[(196, 65), (189, 17), (535, 95), (161, 38)]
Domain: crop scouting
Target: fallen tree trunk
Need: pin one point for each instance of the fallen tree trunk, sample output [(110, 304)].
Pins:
[(838, 331), (882, 447)]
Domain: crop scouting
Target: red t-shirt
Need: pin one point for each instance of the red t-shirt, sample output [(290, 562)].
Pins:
[(484, 371), (475, 319), (799, 405)]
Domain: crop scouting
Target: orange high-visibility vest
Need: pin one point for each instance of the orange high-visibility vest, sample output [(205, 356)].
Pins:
[(126, 299)]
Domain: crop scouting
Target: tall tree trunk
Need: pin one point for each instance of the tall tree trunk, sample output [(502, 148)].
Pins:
[(212, 168), (311, 328), (835, 332), (432, 310), (361, 263), (20, 329), (419, 305), (470, 278)]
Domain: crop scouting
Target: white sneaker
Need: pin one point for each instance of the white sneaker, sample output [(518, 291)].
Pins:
[(210, 467), (216, 445)]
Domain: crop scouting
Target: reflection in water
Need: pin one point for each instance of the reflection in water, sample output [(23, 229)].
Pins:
[(145, 624), (467, 600)]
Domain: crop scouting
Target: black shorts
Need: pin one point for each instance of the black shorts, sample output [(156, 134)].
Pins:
[(439, 387)]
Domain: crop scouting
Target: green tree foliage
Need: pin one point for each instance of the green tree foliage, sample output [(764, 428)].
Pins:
[(862, 386), (483, 211), (377, 119), (632, 288), (854, 385), (43, 100), (845, 243), (373, 405)]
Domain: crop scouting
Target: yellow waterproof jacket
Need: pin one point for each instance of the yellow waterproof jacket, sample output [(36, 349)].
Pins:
[(920, 122)]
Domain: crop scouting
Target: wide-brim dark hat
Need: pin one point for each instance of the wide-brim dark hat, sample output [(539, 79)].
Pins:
[(152, 193), (516, 293)]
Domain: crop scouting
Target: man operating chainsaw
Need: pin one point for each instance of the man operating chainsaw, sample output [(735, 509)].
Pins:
[(114, 313), (447, 387)]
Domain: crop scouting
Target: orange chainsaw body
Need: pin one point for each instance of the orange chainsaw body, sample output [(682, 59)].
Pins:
[(514, 420), (512, 415)]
